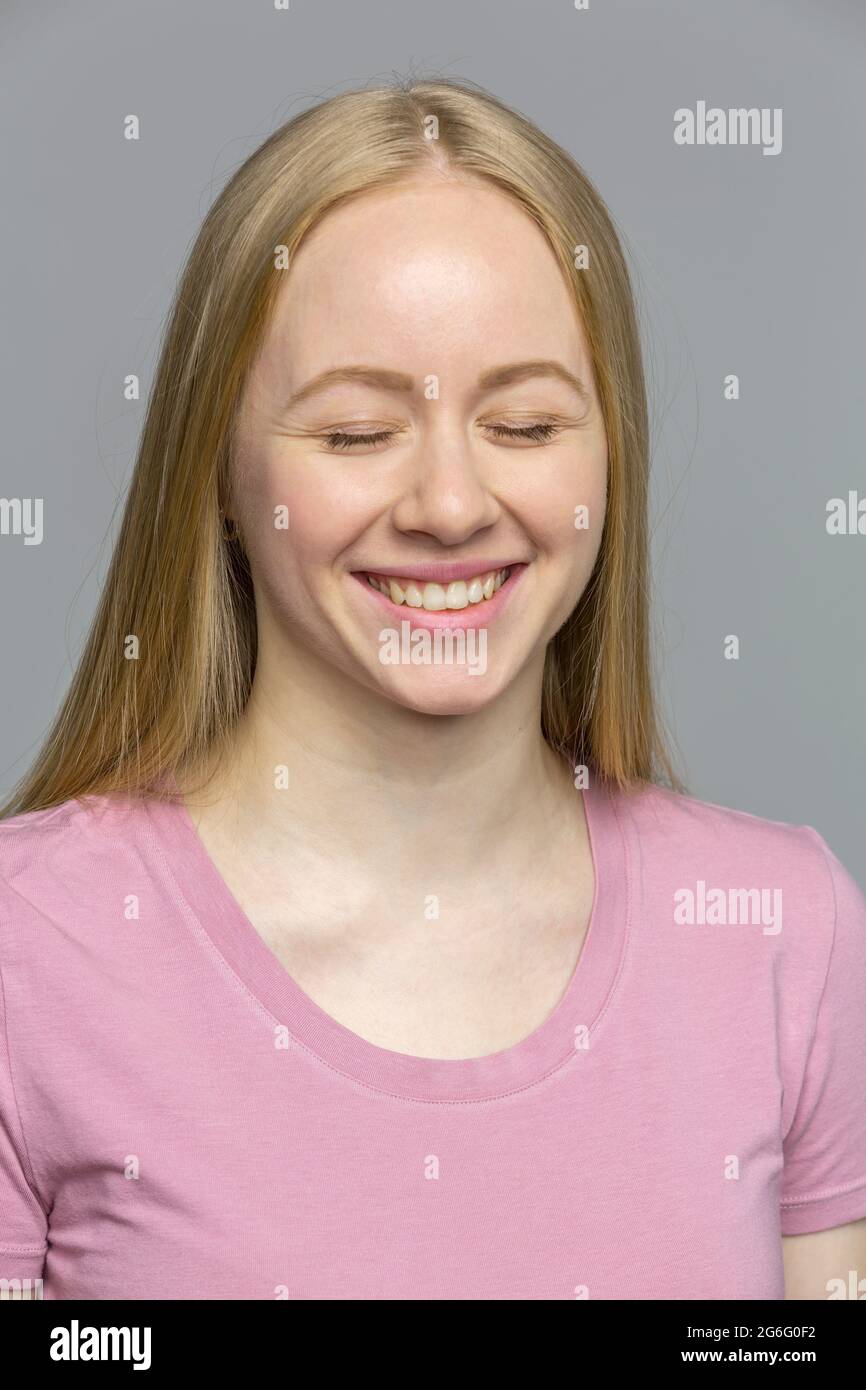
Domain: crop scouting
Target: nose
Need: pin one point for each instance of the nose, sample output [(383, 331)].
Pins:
[(446, 493)]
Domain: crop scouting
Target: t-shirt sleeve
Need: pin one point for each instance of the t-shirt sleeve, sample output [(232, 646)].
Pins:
[(824, 1178), (23, 1223)]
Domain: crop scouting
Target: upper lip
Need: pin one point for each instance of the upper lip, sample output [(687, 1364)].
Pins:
[(442, 571)]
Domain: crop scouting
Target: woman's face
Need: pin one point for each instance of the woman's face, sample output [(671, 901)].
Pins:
[(392, 428)]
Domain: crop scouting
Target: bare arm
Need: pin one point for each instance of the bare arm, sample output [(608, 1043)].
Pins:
[(812, 1262)]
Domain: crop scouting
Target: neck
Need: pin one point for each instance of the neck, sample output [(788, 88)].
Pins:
[(335, 765)]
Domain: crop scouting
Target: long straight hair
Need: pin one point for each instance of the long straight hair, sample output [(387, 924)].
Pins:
[(168, 663)]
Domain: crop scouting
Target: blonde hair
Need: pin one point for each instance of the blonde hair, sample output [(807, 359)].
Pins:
[(180, 584)]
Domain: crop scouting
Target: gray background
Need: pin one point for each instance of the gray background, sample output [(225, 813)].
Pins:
[(745, 263)]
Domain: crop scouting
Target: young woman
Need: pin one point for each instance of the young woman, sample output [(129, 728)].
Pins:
[(358, 939)]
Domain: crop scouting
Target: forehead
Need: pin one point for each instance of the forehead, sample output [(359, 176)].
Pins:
[(422, 271)]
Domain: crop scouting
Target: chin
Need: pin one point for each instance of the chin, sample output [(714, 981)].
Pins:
[(442, 693)]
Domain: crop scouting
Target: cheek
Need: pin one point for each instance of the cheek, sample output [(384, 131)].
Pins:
[(292, 516), (565, 512)]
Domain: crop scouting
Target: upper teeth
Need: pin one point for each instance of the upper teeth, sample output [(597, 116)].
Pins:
[(460, 594)]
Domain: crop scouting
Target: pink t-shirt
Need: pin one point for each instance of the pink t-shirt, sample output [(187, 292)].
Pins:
[(178, 1119)]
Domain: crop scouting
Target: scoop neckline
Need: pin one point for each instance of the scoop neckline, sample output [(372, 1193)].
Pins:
[(564, 1036)]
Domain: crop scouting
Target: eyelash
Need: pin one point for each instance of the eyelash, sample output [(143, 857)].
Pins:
[(541, 433)]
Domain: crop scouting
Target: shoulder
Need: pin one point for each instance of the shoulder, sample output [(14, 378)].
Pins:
[(765, 915), (692, 830), (702, 824), (691, 844), (56, 865), (42, 841)]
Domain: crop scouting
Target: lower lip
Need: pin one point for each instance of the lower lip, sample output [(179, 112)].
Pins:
[(473, 615)]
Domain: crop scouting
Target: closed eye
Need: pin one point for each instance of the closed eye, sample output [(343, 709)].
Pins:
[(540, 433), (339, 440)]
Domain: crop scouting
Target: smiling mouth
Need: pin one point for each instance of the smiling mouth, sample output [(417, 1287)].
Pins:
[(438, 598)]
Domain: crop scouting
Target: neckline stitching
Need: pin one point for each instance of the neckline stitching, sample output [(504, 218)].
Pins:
[(177, 807)]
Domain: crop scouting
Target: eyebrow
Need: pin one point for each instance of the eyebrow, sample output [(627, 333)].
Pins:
[(389, 380)]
